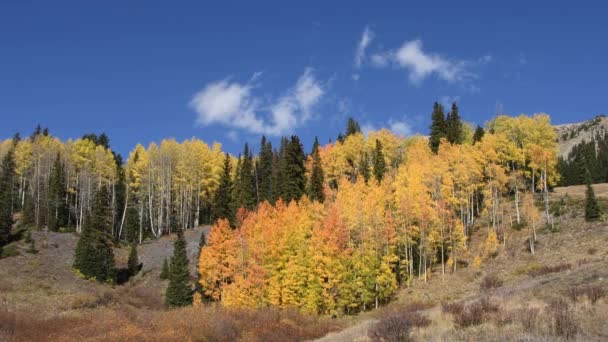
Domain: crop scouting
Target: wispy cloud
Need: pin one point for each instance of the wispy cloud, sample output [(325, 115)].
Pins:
[(401, 126), (421, 64), (366, 39), (233, 104)]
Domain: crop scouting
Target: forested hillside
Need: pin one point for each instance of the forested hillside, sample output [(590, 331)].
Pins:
[(333, 232)]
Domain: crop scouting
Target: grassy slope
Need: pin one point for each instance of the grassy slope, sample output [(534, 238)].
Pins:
[(44, 286), (582, 245)]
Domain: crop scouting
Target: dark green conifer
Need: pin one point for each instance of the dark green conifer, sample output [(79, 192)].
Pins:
[(133, 262), (179, 290), (7, 180), (292, 177), (317, 176), (592, 207), (454, 126), (478, 135), (364, 168), (246, 191), (379, 162), (352, 127), (164, 272), (222, 201), (438, 127), (264, 171), (58, 207), (94, 257)]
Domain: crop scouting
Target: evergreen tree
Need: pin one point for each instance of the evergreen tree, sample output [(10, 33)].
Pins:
[(364, 168), (94, 257), (438, 127), (222, 202), (453, 125), (264, 170), (317, 176), (7, 179), (58, 211), (479, 133), (592, 207), (277, 170), (164, 272), (379, 162), (120, 194), (340, 138), (292, 173), (133, 262), (131, 222), (246, 191), (179, 290), (352, 127), (198, 288)]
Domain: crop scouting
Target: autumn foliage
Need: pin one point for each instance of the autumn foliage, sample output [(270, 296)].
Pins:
[(372, 235)]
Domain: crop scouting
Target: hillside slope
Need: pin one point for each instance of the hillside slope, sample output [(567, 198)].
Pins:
[(570, 135)]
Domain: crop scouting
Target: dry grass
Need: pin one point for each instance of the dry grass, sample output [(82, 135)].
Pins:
[(578, 191), (187, 324)]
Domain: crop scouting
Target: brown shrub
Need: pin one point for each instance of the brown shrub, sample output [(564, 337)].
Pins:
[(476, 313), (397, 326), (549, 269), (490, 282), (212, 323), (454, 308), (563, 322), (592, 292), (528, 317)]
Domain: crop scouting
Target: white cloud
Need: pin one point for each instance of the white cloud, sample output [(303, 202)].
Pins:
[(421, 64), (400, 127), (447, 101), (366, 39), (233, 105)]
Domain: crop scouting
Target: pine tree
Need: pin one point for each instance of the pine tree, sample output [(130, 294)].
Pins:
[(292, 173), (179, 290), (454, 126), (94, 257), (133, 262), (222, 202), (364, 168), (352, 127), (120, 194), (131, 222), (592, 207), (7, 179), (164, 272), (316, 192), (246, 191), (379, 162), (438, 127), (198, 288), (478, 135), (264, 171), (58, 211)]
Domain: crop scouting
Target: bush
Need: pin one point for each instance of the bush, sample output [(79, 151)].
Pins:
[(490, 282), (9, 251), (549, 269), (396, 326), (453, 308), (592, 292), (528, 317), (476, 313), (563, 322)]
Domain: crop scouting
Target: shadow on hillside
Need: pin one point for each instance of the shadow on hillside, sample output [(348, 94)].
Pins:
[(123, 275)]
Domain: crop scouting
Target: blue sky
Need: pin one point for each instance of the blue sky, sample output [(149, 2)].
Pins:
[(229, 71)]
